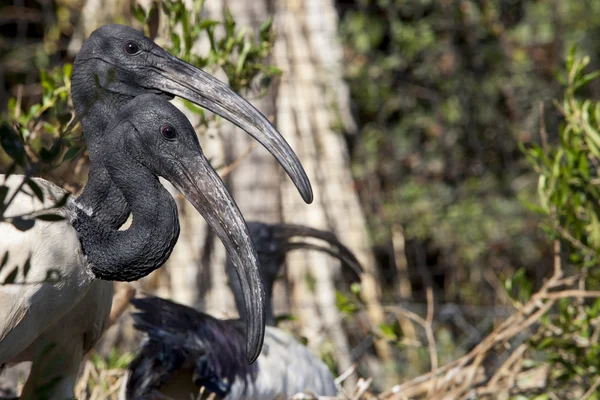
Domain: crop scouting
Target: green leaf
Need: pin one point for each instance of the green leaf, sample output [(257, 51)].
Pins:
[(242, 58), (138, 12), (388, 331), (272, 70), (285, 317), (194, 108), (68, 70), (265, 28), (586, 79), (571, 57), (176, 40), (229, 24), (207, 23), (594, 229), (71, 154)]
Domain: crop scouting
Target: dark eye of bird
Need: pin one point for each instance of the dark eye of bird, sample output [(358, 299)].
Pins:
[(168, 132), (131, 48)]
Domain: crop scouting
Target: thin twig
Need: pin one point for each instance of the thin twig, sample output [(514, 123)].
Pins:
[(515, 356), (346, 374), (340, 379), (576, 243), (231, 167), (120, 303), (592, 389), (362, 387), (570, 293), (430, 337)]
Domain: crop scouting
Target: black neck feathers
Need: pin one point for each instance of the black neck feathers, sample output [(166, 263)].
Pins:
[(179, 336), (130, 254), (95, 107)]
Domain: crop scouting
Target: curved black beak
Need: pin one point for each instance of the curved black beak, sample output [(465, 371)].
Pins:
[(184, 80), (285, 232), (203, 187)]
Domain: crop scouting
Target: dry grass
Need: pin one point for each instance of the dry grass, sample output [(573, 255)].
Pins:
[(467, 377)]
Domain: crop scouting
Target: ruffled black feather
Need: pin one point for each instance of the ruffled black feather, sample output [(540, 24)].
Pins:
[(181, 337)]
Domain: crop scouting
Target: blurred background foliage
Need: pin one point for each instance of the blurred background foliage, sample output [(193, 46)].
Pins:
[(444, 92), (460, 152)]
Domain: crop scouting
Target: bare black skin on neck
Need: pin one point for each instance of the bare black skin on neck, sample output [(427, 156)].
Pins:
[(130, 254), (99, 91)]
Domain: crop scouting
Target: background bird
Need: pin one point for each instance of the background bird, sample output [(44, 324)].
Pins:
[(54, 323), (185, 349), (272, 242)]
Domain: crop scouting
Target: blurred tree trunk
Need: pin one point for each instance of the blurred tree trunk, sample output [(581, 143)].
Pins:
[(310, 100)]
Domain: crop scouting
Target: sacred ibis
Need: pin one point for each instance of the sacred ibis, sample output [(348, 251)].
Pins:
[(54, 323), (184, 349), (117, 63)]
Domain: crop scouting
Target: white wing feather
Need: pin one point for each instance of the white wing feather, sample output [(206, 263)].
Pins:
[(285, 368), (30, 305)]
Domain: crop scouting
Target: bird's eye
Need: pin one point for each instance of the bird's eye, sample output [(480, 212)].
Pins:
[(168, 132), (131, 48)]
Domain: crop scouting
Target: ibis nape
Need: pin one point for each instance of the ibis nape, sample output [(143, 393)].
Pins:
[(55, 322), (184, 350)]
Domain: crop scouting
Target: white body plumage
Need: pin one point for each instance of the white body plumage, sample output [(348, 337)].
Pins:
[(285, 368), (69, 314)]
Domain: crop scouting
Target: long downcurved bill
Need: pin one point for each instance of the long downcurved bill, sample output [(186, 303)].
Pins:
[(285, 232), (203, 187), (184, 80)]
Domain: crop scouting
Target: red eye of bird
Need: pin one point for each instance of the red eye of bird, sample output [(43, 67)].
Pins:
[(131, 48), (168, 132)]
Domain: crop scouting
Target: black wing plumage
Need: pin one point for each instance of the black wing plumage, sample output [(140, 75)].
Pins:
[(179, 337)]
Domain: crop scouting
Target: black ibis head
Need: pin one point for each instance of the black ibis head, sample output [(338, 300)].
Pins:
[(273, 242), (118, 63), (157, 135)]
